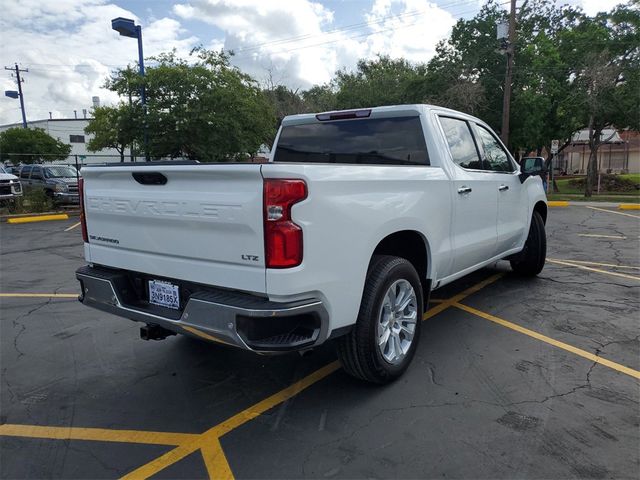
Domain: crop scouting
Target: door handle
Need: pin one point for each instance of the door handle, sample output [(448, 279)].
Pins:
[(464, 190), (503, 188)]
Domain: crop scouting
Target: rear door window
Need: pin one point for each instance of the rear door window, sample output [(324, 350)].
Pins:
[(386, 141), (24, 172), (495, 157), (36, 173), (461, 144)]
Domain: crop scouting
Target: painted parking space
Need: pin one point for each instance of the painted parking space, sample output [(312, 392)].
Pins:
[(78, 386)]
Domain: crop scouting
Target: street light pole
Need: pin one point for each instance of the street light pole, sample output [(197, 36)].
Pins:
[(127, 28), (143, 94)]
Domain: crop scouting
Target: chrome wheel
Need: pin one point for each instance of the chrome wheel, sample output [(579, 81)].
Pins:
[(397, 321)]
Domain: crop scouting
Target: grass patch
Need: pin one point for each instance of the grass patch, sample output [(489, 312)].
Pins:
[(32, 201), (595, 198)]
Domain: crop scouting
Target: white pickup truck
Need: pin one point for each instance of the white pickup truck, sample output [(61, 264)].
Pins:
[(342, 235)]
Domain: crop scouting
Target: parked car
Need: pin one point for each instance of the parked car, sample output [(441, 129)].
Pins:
[(343, 235), (10, 187), (59, 182), (13, 169)]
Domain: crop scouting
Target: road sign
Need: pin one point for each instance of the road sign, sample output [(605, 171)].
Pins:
[(555, 144)]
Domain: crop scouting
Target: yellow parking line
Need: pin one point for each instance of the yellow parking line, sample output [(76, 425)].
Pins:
[(582, 262), (216, 461), (611, 211), (538, 336), (219, 462), (96, 434), (444, 304), (72, 227), (40, 218), (591, 269), (594, 235), (39, 295)]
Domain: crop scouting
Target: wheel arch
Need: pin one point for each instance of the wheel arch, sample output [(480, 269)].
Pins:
[(541, 208), (412, 246)]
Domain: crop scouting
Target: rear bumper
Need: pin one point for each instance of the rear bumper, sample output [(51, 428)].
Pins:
[(232, 318)]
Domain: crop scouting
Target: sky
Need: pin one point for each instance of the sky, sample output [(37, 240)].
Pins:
[(69, 48)]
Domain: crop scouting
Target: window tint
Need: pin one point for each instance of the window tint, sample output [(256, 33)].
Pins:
[(496, 159), (463, 148), (395, 141), (24, 172)]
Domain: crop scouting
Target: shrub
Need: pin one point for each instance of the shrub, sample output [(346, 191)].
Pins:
[(608, 183)]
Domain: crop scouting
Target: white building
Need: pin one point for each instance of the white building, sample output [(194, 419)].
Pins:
[(71, 131)]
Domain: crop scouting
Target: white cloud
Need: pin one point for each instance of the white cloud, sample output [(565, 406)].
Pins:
[(412, 33), (301, 43), (69, 48), (591, 7)]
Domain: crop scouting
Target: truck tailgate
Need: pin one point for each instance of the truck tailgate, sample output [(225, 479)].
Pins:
[(204, 224)]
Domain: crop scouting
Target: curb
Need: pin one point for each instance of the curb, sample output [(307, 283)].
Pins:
[(40, 218), (558, 203), (629, 206), (7, 218)]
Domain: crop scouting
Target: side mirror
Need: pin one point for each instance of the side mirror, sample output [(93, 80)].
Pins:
[(530, 167)]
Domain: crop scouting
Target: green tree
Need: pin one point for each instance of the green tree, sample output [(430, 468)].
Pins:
[(114, 127), (284, 101), (31, 145), (320, 98), (201, 107), (381, 81), (468, 73), (607, 76)]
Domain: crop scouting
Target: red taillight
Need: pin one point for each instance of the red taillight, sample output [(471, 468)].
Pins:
[(282, 237), (83, 219)]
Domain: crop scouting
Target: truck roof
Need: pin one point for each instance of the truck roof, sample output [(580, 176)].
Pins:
[(371, 112)]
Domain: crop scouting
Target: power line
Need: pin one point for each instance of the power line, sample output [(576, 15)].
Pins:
[(366, 34), (353, 26)]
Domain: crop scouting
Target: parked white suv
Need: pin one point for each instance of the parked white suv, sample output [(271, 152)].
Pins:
[(10, 187), (357, 217)]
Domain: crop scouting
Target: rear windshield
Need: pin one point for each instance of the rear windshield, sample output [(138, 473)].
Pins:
[(390, 141)]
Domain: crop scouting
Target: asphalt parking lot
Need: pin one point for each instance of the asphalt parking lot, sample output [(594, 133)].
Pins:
[(513, 378)]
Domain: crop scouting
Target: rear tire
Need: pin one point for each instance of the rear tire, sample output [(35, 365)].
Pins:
[(384, 339), (530, 261)]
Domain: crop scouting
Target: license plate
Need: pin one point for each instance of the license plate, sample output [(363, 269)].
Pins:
[(164, 294)]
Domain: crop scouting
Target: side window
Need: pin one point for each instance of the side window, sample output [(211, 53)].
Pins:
[(461, 144), (24, 173), (36, 173), (496, 159)]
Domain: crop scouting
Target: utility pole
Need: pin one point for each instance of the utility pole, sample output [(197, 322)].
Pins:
[(506, 100), (20, 80)]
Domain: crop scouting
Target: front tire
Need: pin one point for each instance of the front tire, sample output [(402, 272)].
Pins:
[(530, 261), (384, 339)]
